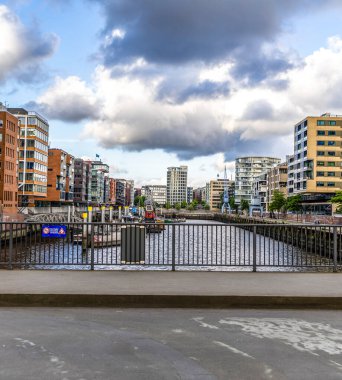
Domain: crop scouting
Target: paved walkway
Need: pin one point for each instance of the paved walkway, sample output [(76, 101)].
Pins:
[(170, 289)]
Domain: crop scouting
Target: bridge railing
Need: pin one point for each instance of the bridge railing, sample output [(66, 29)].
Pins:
[(185, 246)]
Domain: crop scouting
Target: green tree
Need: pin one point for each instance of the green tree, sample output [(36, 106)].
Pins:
[(206, 206), (244, 205), (139, 201), (278, 201), (167, 205), (232, 204), (191, 207), (183, 204), (178, 206), (293, 204), (338, 200)]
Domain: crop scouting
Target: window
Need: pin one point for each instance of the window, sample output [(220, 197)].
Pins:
[(320, 142), (298, 146), (320, 153), (330, 163), (331, 143), (320, 184), (331, 174), (320, 174), (320, 122), (305, 133), (298, 156), (320, 163), (332, 122), (320, 133), (331, 184), (331, 153), (331, 133), (305, 143)]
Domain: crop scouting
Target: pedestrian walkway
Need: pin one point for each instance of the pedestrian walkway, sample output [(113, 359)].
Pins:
[(170, 289)]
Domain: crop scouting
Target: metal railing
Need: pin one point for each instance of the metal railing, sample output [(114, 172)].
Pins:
[(189, 246)]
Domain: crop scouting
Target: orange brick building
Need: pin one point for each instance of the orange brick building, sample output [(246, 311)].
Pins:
[(9, 135), (60, 185)]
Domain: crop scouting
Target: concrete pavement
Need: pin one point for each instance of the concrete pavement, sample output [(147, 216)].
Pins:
[(158, 344), (170, 289)]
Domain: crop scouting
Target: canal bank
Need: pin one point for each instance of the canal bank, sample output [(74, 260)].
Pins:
[(171, 289)]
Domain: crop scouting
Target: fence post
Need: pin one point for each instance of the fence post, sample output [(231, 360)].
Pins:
[(173, 247), (335, 247), (92, 258), (10, 248), (254, 248)]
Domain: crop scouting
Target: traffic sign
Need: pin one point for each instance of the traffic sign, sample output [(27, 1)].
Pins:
[(54, 231)]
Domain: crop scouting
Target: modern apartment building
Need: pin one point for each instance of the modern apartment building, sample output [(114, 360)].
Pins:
[(120, 192), (112, 192), (260, 191), (60, 185), (82, 181), (246, 170), (99, 185), (176, 189), (216, 189), (290, 175), (33, 157), (9, 137), (158, 193), (318, 161), (276, 180), (190, 194), (130, 183)]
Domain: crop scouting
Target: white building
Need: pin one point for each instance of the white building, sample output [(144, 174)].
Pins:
[(158, 193), (246, 170), (177, 180)]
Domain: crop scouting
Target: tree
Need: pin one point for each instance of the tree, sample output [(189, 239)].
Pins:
[(183, 204), (293, 204), (139, 201), (244, 205), (232, 204), (167, 205), (178, 206), (278, 201), (191, 207), (338, 200)]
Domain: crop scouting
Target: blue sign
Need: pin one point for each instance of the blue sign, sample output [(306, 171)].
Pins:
[(54, 231)]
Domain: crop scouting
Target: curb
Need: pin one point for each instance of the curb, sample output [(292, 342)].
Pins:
[(169, 301)]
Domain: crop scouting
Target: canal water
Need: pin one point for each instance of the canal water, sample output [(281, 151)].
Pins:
[(197, 245)]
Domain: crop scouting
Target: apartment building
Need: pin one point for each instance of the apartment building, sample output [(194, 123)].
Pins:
[(82, 181), (60, 185), (246, 170), (33, 157), (112, 192), (317, 161), (120, 192), (99, 186), (260, 191), (176, 188), (190, 194), (216, 189), (158, 193), (130, 183), (9, 137), (277, 180), (290, 175)]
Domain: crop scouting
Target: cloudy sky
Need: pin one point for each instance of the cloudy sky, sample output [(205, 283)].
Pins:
[(148, 84)]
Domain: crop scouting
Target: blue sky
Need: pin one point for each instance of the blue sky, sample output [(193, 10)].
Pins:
[(150, 84)]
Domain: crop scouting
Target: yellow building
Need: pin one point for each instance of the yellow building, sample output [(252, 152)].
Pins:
[(216, 189), (317, 172)]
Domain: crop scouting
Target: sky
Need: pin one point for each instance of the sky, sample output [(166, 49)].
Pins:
[(148, 84)]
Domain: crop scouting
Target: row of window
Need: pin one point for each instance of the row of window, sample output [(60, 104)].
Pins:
[(33, 166), (33, 144), (33, 177), (35, 188), (326, 122), (326, 174), (323, 153), (328, 184), (329, 143), (34, 154), (34, 121), (328, 163), (324, 133), (34, 132)]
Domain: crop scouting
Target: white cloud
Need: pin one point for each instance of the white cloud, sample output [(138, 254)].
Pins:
[(21, 48), (125, 111)]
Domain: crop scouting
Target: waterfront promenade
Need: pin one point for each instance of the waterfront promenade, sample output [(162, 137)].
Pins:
[(184, 289)]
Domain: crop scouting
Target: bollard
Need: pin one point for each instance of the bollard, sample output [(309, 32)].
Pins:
[(103, 210), (84, 233), (110, 214), (126, 210), (120, 214), (90, 217), (69, 214)]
